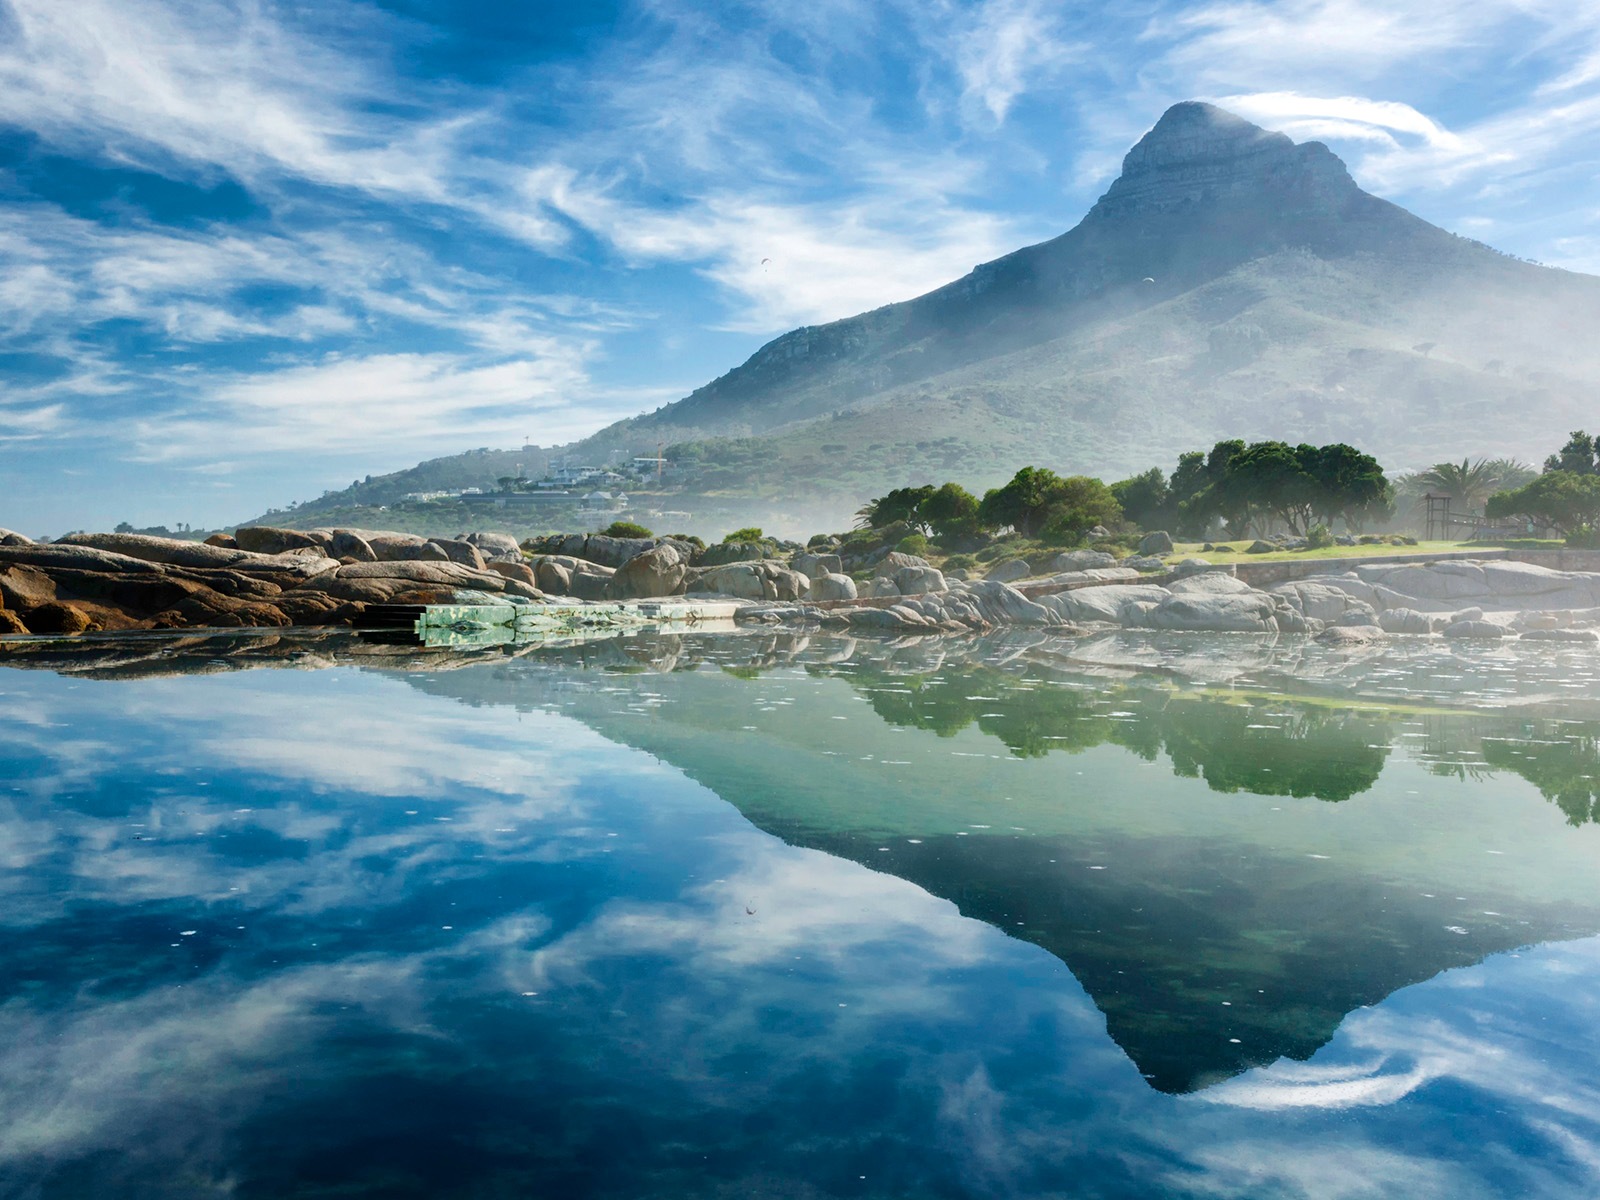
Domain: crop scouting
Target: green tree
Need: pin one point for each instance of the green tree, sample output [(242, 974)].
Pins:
[(1024, 503), (1347, 484), (1077, 506), (1144, 498), (1200, 491), (901, 504), (1580, 456), (1566, 501), (1470, 483), (626, 529), (1270, 480), (951, 510)]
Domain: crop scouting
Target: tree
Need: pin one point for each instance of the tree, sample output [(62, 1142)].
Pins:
[(1077, 506), (1566, 501), (950, 511), (1469, 484), (901, 504), (1199, 492), (1347, 484), (1577, 457), (625, 529), (1024, 503), (1144, 498), (1269, 479)]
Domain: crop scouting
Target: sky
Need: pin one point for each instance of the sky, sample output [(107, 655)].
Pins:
[(254, 249)]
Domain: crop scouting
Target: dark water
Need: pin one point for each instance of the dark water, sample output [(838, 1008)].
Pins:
[(760, 916)]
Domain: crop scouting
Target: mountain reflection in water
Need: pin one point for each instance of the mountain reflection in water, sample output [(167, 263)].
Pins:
[(348, 931)]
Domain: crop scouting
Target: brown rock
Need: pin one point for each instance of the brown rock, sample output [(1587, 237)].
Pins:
[(267, 539), (520, 571), (23, 588), (464, 553), (659, 571), (348, 545), (11, 622), (552, 577), (225, 541), (57, 617)]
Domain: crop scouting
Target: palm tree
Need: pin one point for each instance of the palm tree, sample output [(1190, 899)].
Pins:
[(1469, 484)]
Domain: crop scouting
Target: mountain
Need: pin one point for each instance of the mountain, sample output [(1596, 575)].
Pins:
[(1230, 283)]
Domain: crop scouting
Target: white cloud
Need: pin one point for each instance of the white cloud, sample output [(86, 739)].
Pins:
[(1008, 45)]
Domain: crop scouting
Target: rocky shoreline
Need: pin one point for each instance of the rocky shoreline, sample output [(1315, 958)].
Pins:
[(272, 578)]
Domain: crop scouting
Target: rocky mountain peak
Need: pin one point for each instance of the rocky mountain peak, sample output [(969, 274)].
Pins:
[(1198, 154)]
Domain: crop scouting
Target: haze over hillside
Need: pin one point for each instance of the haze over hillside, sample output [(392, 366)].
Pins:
[(1230, 283)]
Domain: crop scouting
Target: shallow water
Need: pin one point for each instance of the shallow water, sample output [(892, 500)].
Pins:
[(761, 915)]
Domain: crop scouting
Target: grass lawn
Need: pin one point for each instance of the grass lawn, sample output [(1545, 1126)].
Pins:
[(1233, 552)]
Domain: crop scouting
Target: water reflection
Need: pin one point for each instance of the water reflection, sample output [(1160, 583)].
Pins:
[(513, 922)]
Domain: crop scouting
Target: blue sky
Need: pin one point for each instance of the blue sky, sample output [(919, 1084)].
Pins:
[(252, 250)]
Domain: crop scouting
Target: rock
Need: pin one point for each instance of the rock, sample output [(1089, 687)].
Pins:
[(1261, 547), (1290, 621), (1318, 601), (659, 571), (496, 547), (1193, 566), (1358, 616), (223, 541), (429, 551), (10, 537), (24, 587), (550, 576), (1080, 560), (11, 622), (1252, 612), (1475, 629), (1210, 583), (913, 581), (1536, 635), (346, 543), (518, 570), (1107, 603), (266, 539), (832, 586), (1098, 533), (891, 562), (997, 603), (731, 552), (1157, 542), (1010, 571), (1409, 620), (58, 617), (813, 565), (959, 574), (754, 581), (393, 547), (879, 588), (464, 553), (168, 551), (1144, 563), (1349, 635)]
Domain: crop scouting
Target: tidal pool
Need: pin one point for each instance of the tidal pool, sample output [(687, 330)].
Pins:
[(760, 915)]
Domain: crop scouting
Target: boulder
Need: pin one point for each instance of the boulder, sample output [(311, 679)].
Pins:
[(832, 586), (891, 562), (495, 547), (1080, 560), (392, 547), (268, 539), (168, 551), (223, 541), (880, 588), (813, 565), (1193, 566), (1260, 547), (731, 552), (1156, 542), (24, 587), (613, 551), (11, 622), (659, 571), (1475, 629), (997, 603), (1318, 601), (1107, 603), (913, 581), (346, 543), (1009, 572), (1540, 635), (10, 537), (429, 551), (1349, 635), (1098, 533), (550, 576), (1252, 612), (1210, 583), (753, 581), (1147, 563), (464, 553), (58, 617), (1409, 620), (518, 570)]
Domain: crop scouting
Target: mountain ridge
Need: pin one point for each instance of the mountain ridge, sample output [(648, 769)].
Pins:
[(1229, 283)]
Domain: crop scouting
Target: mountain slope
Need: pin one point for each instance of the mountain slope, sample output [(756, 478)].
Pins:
[(1229, 283)]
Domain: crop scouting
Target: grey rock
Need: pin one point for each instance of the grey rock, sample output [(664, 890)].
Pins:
[(1081, 560), (1409, 620), (1098, 533), (1261, 547), (1145, 563), (1210, 583), (1561, 635), (753, 581), (814, 565), (878, 588), (10, 537), (496, 547), (913, 581), (1349, 635), (1157, 542), (893, 561), (1475, 629), (832, 586), (731, 552), (1107, 603), (1252, 612), (1009, 572), (1193, 566), (461, 552), (998, 603)]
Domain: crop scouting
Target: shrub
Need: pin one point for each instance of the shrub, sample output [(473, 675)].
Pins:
[(626, 529), (915, 544), (1319, 537), (960, 562), (750, 533), (688, 537)]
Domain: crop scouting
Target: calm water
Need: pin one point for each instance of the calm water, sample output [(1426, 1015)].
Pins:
[(762, 916)]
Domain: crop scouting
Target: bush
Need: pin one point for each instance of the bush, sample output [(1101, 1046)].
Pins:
[(626, 529), (1319, 537), (750, 533), (688, 537), (962, 562), (915, 544)]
